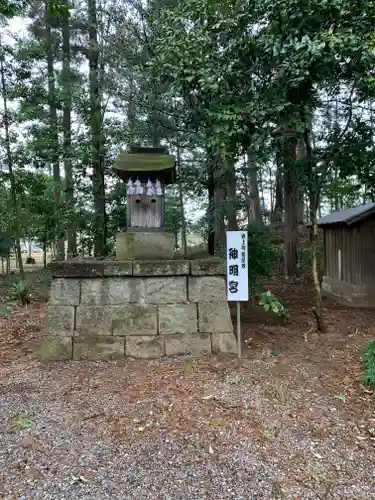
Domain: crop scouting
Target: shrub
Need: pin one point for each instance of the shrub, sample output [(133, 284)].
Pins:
[(271, 303), (262, 256), (30, 260), (20, 291), (369, 365)]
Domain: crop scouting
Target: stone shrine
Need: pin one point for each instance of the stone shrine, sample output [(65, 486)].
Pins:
[(144, 304)]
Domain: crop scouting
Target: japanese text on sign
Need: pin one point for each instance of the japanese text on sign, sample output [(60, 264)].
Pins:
[(237, 266)]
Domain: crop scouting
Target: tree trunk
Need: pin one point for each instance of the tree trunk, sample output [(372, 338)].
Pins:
[(6, 121), (211, 203), (100, 223), (314, 197), (44, 255), (53, 122), (131, 113), (220, 236), (288, 153), (231, 201), (182, 210), (29, 247), (254, 199), (279, 187), (67, 145), (220, 175), (300, 157)]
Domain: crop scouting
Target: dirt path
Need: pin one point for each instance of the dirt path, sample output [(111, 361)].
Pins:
[(293, 422)]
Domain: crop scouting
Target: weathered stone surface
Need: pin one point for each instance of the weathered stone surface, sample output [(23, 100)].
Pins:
[(161, 268), (187, 343), (178, 318), (144, 245), (208, 267), (55, 348), (166, 290), (64, 292), (223, 343), (110, 291), (145, 346), (98, 348), (94, 320), (84, 269), (214, 317), (60, 320), (124, 268), (206, 289), (135, 320)]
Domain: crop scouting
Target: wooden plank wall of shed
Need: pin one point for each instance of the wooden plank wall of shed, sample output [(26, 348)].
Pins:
[(337, 239), (357, 246), (366, 252)]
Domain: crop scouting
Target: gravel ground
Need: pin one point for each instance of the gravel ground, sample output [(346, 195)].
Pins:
[(178, 429)]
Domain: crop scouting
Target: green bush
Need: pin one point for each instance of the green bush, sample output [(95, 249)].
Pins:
[(262, 256), (20, 291), (271, 303), (305, 260), (369, 365), (30, 260)]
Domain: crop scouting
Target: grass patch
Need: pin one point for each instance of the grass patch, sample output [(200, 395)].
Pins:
[(369, 366)]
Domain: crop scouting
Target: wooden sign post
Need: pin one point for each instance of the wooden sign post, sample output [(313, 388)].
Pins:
[(237, 275)]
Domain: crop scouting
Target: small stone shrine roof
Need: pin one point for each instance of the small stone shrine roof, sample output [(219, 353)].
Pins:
[(146, 163), (348, 216)]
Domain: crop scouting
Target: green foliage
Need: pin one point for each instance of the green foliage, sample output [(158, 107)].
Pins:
[(172, 214), (262, 256), (270, 303), (304, 258), (6, 244), (369, 365), (20, 291), (11, 8), (6, 309)]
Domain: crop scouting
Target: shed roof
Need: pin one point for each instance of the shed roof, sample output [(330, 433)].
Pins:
[(348, 216), (146, 162)]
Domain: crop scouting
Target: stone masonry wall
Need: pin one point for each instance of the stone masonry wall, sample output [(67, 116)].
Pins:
[(108, 309)]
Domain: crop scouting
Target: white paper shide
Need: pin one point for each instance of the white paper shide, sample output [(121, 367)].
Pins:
[(237, 266)]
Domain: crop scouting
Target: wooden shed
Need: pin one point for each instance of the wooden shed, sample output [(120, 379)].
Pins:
[(349, 255)]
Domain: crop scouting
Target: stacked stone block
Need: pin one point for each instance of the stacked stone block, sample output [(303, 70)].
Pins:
[(105, 310)]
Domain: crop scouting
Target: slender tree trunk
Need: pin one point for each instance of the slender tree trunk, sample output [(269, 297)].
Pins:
[(301, 157), (220, 237), (67, 145), (220, 189), (279, 187), (314, 196), (100, 224), (44, 255), (254, 209), (6, 121), (232, 196), (181, 197), (53, 121), (211, 203), (131, 113), (288, 153)]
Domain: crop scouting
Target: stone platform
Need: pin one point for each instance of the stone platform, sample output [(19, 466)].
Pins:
[(348, 294), (107, 309)]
